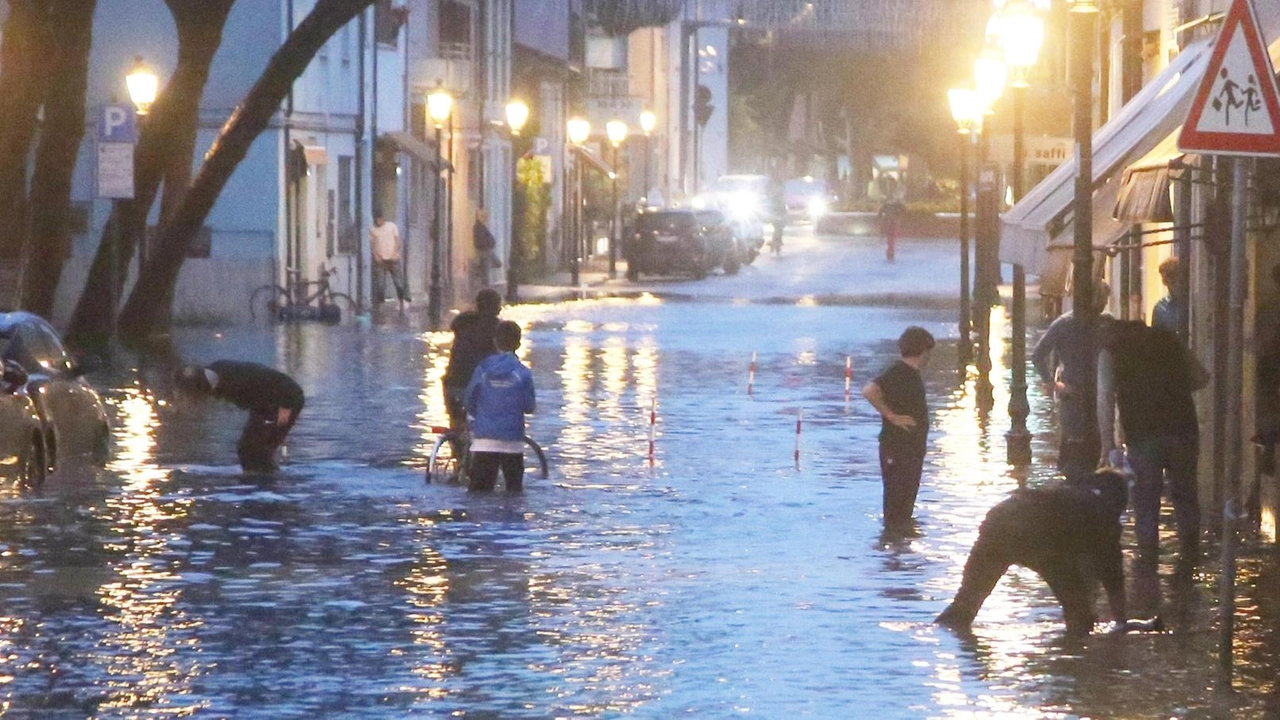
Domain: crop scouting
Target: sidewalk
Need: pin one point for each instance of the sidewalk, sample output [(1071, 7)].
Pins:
[(593, 276)]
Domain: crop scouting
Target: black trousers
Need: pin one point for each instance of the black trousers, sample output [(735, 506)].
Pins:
[(900, 469), (1079, 445), (485, 467), (263, 434)]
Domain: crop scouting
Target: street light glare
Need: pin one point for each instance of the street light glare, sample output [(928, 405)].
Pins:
[(989, 76), (143, 85), (517, 116), (648, 121), (579, 131), (966, 108), (439, 104), (1021, 35), (617, 132)]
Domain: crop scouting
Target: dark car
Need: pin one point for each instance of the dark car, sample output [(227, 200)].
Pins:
[(73, 420), (22, 454), (671, 242)]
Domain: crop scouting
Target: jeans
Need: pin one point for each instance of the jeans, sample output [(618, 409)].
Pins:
[(382, 268), (484, 471), (263, 434), (1171, 457), (900, 469)]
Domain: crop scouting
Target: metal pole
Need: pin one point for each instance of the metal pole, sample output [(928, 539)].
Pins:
[(1182, 241), (513, 282), (647, 152), (575, 260), (1082, 121), (986, 212), (362, 31), (1235, 392), (614, 220), (966, 342), (434, 313), (1018, 439)]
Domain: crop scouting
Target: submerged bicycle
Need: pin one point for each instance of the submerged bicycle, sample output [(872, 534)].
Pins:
[(301, 299), (451, 456)]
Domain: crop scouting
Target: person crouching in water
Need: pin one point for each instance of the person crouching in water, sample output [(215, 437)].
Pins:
[(498, 397), (272, 398), (1068, 534)]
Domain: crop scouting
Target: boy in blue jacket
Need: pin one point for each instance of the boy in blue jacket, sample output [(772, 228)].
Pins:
[(498, 397)]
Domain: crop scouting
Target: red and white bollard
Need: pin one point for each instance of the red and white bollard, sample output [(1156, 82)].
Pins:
[(751, 375), (848, 378), (653, 429), (799, 429)]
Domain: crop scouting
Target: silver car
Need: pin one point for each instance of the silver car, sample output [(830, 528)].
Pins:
[(74, 423)]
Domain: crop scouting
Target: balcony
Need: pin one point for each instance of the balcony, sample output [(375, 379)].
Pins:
[(451, 66)]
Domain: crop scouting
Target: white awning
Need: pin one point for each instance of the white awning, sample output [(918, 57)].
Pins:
[(1158, 110)]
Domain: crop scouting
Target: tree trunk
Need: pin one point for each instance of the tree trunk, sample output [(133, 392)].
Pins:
[(150, 305), (165, 147), (60, 136), (23, 60)]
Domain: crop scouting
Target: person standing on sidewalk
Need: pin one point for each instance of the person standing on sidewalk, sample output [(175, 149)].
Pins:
[(486, 247), (898, 395), (1066, 360), (1169, 312), (1148, 374), (384, 246), (498, 397)]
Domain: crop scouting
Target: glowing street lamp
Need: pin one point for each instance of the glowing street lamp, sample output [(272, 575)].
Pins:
[(517, 116), (579, 131), (1021, 35), (648, 121), (966, 108), (143, 86), (439, 105), (990, 75)]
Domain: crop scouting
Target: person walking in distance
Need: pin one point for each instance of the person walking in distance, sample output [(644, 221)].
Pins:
[(486, 247), (898, 395), (891, 213), (384, 247), (473, 333), (498, 397), (1066, 360), (272, 398)]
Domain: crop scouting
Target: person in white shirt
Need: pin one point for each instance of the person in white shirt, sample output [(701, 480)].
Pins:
[(384, 245)]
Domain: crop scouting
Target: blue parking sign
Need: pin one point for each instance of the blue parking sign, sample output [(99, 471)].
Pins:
[(115, 124)]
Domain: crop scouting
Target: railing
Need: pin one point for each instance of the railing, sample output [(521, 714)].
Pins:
[(608, 83), (454, 51)]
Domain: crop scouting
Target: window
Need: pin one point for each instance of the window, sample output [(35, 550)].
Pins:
[(37, 348), (386, 23), (455, 30), (348, 234)]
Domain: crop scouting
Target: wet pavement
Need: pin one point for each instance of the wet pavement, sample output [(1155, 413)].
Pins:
[(722, 580)]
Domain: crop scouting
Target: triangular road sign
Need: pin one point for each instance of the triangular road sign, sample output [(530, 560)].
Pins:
[(1236, 109)]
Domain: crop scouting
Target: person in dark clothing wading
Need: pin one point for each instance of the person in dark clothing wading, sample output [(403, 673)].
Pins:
[(473, 333), (498, 397), (272, 398), (898, 395)]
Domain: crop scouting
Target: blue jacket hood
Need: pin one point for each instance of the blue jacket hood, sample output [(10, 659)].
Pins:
[(498, 397)]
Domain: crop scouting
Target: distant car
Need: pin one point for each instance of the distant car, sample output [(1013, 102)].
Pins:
[(22, 450), (73, 421), (807, 198), (681, 241), (744, 200)]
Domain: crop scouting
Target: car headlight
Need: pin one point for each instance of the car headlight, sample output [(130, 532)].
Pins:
[(699, 203), (742, 205), (817, 207)]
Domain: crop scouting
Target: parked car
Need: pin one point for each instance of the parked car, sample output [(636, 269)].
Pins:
[(744, 201), (680, 241), (74, 426), (22, 454), (807, 198)]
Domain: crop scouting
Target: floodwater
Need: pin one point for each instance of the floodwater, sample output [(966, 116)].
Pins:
[(722, 580)]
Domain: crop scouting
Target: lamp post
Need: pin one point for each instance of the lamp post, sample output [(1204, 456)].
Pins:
[(616, 130), (966, 111), (439, 107), (989, 75), (648, 121), (1021, 35), (517, 117), (578, 132), (143, 85)]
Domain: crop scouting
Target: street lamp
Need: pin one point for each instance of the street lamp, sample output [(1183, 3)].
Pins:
[(966, 110), (517, 116), (990, 75), (616, 130), (143, 85), (578, 131), (439, 107), (648, 121)]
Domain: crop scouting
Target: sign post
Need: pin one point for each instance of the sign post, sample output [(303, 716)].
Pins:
[(116, 136), (1236, 112)]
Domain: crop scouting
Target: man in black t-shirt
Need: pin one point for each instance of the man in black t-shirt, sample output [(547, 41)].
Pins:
[(473, 333), (898, 395), (272, 398)]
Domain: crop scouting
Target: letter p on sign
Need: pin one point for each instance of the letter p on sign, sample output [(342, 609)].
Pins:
[(115, 124)]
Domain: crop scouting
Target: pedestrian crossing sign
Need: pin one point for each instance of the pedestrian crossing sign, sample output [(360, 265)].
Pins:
[(1236, 110)]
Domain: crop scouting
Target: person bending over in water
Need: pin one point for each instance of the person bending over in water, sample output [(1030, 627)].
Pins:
[(272, 398)]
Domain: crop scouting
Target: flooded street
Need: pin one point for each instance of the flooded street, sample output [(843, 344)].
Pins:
[(721, 580)]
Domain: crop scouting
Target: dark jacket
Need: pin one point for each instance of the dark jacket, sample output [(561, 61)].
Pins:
[(472, 342), (499, 395), (255, 387), (483, 239), (1154, 378)]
